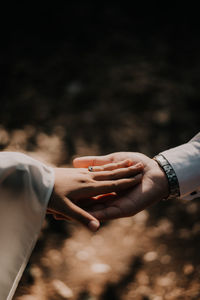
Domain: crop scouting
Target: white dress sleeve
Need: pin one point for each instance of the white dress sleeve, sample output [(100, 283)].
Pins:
[(185, 160), (25, 188)]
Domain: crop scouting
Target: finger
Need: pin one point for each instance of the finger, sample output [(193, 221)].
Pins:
[(119, 208), (93, 201), (113, 166), (104, 187), (119, 173), (60, 217), (85, 161), (107, 213), (69, 209), (105, 197), (48, 211)]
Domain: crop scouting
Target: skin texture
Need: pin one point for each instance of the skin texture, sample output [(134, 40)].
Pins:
[(76, 187), (153, 188)]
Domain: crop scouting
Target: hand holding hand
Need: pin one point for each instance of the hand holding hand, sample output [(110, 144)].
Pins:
[(74, 186), (154, 186)]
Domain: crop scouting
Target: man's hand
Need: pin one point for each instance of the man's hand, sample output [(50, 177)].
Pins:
[(154, 186), (74, 186)]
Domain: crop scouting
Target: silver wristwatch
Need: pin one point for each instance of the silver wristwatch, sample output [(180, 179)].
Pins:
[(174, 190)]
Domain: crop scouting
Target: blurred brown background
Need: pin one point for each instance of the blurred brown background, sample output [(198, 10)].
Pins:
[(83, 78)]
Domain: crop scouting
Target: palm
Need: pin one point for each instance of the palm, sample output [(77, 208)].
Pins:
[(148, 192)]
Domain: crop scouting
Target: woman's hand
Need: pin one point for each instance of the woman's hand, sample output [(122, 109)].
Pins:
[(79, 185), (153, 188)]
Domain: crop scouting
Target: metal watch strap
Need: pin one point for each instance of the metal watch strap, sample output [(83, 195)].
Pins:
[(174, 190)]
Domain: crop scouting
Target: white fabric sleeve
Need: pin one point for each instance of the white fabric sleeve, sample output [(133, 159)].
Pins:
[(25, 188), (185, 160)]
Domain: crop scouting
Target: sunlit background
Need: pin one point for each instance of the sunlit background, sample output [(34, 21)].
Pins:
[(80, 78)]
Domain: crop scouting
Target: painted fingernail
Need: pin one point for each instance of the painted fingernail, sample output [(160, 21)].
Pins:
[(128, 163), (93, 225)]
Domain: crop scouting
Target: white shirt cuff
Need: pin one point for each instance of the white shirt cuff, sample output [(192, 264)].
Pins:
[(185, 160)]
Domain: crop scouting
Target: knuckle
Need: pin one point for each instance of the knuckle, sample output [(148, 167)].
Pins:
[(86, 180), (114, 173), (115, 185), (83, 171), (100, 168), (111, 177), (83, 181), (92, 178), (130, 180), (95, 177)]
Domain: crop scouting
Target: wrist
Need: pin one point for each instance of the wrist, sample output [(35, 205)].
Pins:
[(161, 180)]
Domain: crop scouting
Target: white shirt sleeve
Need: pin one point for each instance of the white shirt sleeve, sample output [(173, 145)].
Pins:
[(185, 160), (25, 188)]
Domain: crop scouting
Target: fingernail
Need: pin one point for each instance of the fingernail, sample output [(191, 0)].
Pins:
[(93, 225), (129, 162)]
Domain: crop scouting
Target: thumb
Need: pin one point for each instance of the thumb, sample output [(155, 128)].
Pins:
[(73, 211), (85, 161)]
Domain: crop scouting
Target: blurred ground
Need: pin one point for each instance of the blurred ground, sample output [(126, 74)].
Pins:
[(80, 79)]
